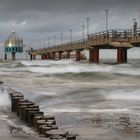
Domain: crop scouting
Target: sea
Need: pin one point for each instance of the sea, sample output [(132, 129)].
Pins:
[(94, 101)]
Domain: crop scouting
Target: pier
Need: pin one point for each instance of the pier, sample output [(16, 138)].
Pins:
[(118, 39)]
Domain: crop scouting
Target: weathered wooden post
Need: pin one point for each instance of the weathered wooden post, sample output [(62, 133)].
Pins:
[(26, 111), (31, 115), (44, 128), (71, 137), (56, 134)]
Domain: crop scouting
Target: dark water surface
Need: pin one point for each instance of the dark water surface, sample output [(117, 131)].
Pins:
[(88, 99)]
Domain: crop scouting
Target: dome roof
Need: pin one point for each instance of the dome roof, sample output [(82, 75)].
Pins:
[(13, 40)]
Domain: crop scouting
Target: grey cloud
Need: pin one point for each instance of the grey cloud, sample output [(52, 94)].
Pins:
[(63, 5), (37, 20)]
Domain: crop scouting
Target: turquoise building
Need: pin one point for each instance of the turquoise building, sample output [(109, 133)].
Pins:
[(13, 45)]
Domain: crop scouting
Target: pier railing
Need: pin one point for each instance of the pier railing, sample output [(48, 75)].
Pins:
[(104, 38), (74, 45)]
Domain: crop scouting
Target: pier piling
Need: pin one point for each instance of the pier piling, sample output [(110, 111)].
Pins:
[(78, 55), (30, 113)]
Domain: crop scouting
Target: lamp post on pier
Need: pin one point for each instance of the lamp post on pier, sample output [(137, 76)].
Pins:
[(48, 42), (106, 12), (54, 37), (88, 19), (71, 36), (61, 38), (83, 29), (135, 26)]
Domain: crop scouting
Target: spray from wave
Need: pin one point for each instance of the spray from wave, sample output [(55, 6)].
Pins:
[(124, 95), (4, 99), (51, 67), (70, 66)]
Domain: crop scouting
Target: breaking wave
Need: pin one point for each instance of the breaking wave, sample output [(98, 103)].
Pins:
[(130, 95), (70, 66), (67, 66)]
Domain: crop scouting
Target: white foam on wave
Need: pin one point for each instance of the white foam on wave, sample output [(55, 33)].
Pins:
[(126, 69), (63, 110), (15, 125), (4, 99), (45, 63), (118, 110), (70, 66), (3, 116), (80, 110), (70, 69), (124, 95), (2, 71), (48, 93)]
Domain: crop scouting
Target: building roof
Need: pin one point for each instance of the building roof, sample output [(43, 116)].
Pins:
[(13, 40)]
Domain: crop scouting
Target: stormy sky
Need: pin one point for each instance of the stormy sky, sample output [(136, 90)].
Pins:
[(38, 20)]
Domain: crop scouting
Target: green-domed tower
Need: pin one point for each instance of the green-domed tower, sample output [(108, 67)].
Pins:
[(13, 45)]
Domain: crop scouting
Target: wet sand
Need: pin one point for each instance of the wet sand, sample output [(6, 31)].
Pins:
[(91, 126), (99, 126), (6, 135)]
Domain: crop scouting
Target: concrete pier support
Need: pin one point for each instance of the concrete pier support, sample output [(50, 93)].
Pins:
[(60, 55), (42, 57), (49, 55), (13, 56), (125, 56), (45, 56), (53, 55), (5, 56), (91, 55), (94, 55), (68, 54), (31, 57), (78, 55), (121, 55), (34, 57)]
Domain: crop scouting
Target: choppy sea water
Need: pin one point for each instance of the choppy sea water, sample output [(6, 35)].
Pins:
[(87, 99)]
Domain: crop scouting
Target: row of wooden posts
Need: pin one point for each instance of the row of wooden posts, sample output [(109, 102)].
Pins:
[(30, 113)]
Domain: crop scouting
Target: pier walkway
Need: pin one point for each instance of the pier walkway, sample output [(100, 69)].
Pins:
[(119, 39)]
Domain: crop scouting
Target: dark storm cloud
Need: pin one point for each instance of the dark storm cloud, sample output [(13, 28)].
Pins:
[(37, 20), (34, 9), (60, 5)]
